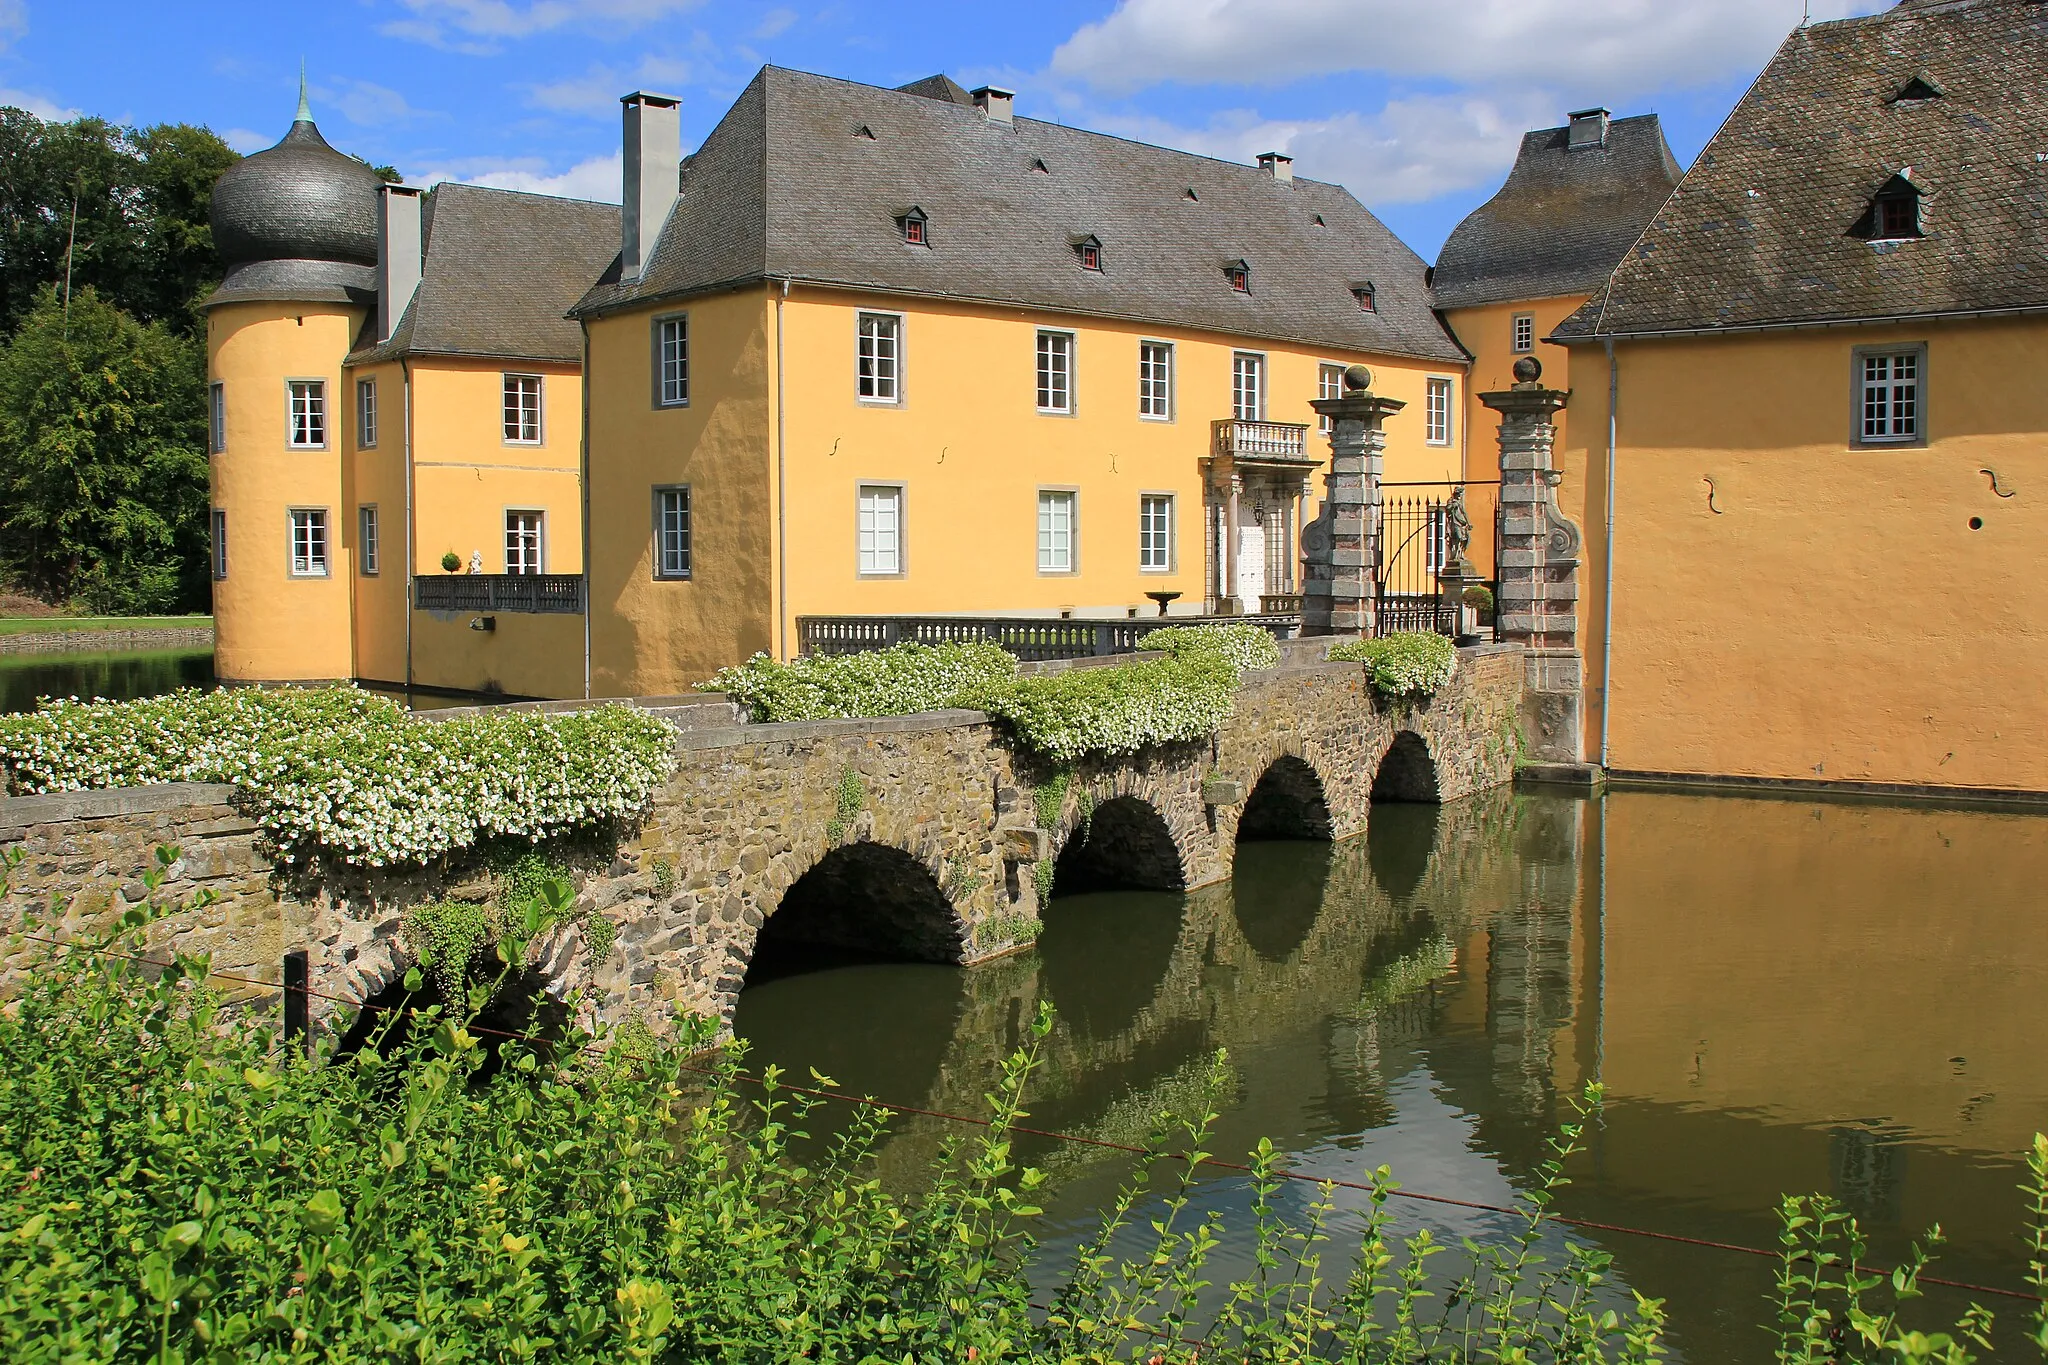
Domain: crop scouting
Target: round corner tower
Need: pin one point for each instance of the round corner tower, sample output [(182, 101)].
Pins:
[(296, 226)]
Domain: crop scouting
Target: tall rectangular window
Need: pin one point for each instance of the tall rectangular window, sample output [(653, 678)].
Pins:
[(672, 361), (366, 540), (309, 542), (1329, 384), (672, 532), (1437, 412), (879, 528), (522, 409), (1155, 380), (1889, 398), (523, 542), (308, 413), (366, 414), (1055, 371), (1248, 387), (1525, 333), (216, 418), (220, 543), (878, 373), (1055, 531), (1155, 532)]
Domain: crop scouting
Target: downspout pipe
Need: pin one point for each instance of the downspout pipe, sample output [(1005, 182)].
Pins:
[(781, 490), (1607, 565), (411, 529), (583, 490)]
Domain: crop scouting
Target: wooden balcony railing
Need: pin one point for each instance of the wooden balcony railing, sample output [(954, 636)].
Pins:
[(546, 594), (1264, 441)]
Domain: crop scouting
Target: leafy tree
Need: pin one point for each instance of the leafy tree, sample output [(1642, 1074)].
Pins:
[(103, 469)]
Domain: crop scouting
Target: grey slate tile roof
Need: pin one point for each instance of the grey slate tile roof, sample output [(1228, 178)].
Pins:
[(1758, 233), (785, 186), (1563, 219), (500, 271)]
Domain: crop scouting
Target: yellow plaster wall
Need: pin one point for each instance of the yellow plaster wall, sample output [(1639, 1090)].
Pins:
[(527, 655), (270, 626), (1833, 616), (377, 477), (467, 476), (653, 636), (972, 450)]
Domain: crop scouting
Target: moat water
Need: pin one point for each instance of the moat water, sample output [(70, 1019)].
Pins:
[(1778, 997), (127, 675)]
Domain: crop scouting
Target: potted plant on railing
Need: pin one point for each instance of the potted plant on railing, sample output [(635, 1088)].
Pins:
[(1479, 602), (451, 562)]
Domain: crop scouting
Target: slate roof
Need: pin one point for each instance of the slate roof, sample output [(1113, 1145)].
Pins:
[(501, 269), (1562, 221), (1759, 231), (785, 186)]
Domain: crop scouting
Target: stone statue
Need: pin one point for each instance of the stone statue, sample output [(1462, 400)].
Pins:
[(476, 561), (1457, 528)]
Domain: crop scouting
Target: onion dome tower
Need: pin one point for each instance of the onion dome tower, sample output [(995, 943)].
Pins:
[(296, 227)]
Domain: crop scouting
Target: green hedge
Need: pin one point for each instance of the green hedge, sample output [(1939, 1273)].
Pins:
[(1108, 712), (898, 681), (1403, 665)]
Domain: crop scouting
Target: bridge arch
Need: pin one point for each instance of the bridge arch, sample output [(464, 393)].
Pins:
[(1124, 843), (1407, 772), (862, 900), (1288, 801)]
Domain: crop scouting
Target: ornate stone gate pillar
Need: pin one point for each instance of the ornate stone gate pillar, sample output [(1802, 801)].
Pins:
[(1340, 595), (1538, 604)]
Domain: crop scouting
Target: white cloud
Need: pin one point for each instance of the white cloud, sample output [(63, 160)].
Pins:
[(367, 105), (47, 110), (597, 90), (13, 19), (1610, 49), (498, 19), (247, 140), (598, 178), (774, 24)]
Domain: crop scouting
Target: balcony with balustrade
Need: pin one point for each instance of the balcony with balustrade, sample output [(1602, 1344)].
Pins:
[(1273, 443)]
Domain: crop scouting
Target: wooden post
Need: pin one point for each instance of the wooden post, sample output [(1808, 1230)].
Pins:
[(296, 1014)]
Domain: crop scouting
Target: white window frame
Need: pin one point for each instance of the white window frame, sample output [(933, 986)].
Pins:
[(366, 414), (1163, 560), (515, 552), (1048, 549), (1254, 364), (665, 566), (218, 526), (216, 417), (314, 401), (886, 377), (872, 558), (368, 546), (539, 428), (1155, 380), (1055, 381), (1438, 425), (1522, 334), (1329, 384), (1863, 385), (306, 565), (671, 390)]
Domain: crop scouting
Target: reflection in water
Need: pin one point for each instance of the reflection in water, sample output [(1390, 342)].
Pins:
[(1842, 1007), (117, 677)]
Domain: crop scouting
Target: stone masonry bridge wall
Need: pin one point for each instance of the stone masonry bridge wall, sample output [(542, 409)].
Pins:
[(913, 836)]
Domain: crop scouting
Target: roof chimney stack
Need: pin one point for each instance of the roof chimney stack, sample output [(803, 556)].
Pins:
[(1588, 129), (999, 104), (654, 156), (1279, 165), (399, 248)]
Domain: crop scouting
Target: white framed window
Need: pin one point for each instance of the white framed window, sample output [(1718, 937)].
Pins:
[(216, 417), (1329, 384), (879, 528), (366, 540), (309, 542), (525, 542), (1437, 539), (1055, 371), (366, 414), (878, 368), (1155, 532), (1248, 386), (220, 543), (522, 409), (308, 413), (1056, 530), (672, 361), (1155, 380), (672, 531), (1437, 412), (1525, 333), (1889, 395)]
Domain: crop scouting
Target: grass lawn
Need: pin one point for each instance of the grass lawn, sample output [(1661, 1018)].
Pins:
[(25, 625)]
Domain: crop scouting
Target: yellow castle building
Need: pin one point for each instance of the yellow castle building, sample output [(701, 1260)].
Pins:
[(864, 352)]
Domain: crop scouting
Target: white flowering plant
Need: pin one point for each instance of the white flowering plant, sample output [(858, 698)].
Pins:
[(1241, 644), (898, 681), (341, 773), (1062, 717), (1404, 664)]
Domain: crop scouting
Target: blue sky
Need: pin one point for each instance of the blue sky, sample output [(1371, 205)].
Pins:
[(1415, 105)]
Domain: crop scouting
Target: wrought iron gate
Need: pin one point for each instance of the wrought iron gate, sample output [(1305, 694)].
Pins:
[(1413, 547)]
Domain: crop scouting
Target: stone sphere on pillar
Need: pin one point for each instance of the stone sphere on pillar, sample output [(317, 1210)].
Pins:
[(1528, 370), (1357, 379)]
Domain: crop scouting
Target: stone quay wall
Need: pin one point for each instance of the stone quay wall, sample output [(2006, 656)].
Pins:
[(752, 808), (106, 641)]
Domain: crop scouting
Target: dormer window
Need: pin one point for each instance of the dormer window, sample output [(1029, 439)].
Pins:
[(1038, 165), (914, 226), (1190, 193), (1088, 250), (1919, 88), (1894, 213), (1317, 219), (1368, 296), (865, 131), (1240, 276)]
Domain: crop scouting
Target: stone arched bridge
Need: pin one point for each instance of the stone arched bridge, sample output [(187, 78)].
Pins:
[(923, 837)]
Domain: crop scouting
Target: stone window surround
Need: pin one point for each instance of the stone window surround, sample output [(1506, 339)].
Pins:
[(664, 570), (1165, 349), (310, 518), (665, 394), (894, 335), (1858, 354), (1046, 495), (308, 398), (515, 417), (902, 549), (1146, 497)]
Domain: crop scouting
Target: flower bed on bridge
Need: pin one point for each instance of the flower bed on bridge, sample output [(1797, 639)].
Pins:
[(1404, 664)]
